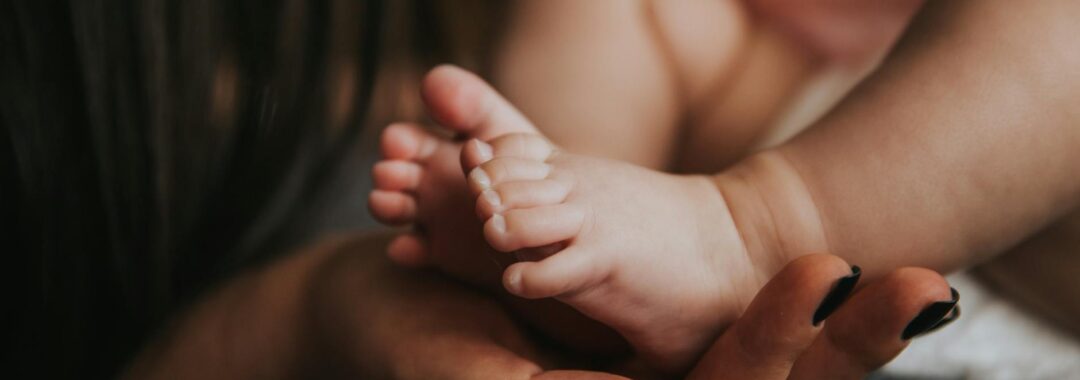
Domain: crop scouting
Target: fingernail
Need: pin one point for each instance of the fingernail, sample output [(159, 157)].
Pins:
[(837, 295), (480, 178), (933, 317), (954, 315), (498, 223), (491, 197), (484, 150)]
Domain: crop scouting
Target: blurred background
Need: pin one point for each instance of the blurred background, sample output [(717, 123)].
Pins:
[(152, 148)]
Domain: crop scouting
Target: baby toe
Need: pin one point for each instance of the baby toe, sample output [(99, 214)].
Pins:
[(506, 169), (533, 227), (562, 274), (474, 153), (461, 101), (524, 145), (407, 141), (521, 194), (392, 207), (408, 249), (521, 145), (397, 175)]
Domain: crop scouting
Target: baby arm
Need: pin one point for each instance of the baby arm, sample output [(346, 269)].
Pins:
[(963, 143)]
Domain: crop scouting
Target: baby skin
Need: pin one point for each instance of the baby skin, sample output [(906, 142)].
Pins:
[(892, 177), (655, 256)]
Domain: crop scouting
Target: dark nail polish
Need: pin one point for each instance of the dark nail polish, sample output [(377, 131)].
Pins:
[(837, 295), (947, 320), (933, 317)]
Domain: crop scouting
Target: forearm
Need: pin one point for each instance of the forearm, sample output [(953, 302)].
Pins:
[(248, 328), (963, 143), (340, 309)]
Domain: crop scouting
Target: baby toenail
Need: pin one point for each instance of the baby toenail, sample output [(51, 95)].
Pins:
[(498, 223), (480, 178), (513, 283), (492, 198), (484, 150)]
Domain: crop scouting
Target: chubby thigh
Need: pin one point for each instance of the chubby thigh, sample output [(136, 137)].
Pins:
[(615, 78)]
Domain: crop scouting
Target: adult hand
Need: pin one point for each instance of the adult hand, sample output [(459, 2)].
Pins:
[(390, 323), (339, 309), (776, 337), (342, 310)]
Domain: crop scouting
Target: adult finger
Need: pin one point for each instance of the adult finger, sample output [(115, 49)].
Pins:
[(781, 322), (877, 323)]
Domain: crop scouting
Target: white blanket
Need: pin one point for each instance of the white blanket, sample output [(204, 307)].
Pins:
[(992, 339)]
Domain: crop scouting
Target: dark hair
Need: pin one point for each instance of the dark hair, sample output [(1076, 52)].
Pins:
[(151, 148)]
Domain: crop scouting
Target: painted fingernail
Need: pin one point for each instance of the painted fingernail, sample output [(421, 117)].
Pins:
[(492, 198), (484, 150), (498, 223), (954, 315), (933, 317), (480, 179), (837, 295)]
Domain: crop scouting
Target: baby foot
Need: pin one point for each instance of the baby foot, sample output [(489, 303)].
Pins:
[(653, 255), (419, 182)]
